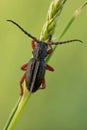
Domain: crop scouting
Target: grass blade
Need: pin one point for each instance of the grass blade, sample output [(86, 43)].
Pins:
[(67, 26), (52, 18), (48, 29)]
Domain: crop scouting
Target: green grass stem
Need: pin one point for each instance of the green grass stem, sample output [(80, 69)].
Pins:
[(17, 110), (67, 26), (47, 30)]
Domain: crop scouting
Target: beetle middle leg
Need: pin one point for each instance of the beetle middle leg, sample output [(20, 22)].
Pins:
[(24, 67), (48, 67)]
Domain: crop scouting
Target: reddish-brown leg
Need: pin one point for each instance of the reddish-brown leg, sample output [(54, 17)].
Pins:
[(21, 82), (33, 43), (48, 67), (43, 84), (49, 51), (23, 67)]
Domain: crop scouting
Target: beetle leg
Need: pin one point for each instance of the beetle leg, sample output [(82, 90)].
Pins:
[(49, 51), (21, 82), (48, 67), (23, 67), (43, 84), (33, 43)]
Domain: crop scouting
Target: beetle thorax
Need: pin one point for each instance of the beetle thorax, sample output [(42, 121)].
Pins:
[(40, 51)]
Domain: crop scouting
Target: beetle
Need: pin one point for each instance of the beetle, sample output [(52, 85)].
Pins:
[(36, 68)]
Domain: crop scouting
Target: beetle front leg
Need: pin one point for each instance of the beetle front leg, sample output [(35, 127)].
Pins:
[(50, 50), (48, 67), (33, 43), (50, 45), (21, 82)]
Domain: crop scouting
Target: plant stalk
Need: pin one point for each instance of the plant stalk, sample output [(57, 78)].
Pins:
[(47, 30)]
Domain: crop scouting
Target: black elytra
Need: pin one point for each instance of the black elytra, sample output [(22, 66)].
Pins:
[(35, 69)]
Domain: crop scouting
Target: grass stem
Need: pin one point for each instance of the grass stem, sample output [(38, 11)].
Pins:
[(47, 30)]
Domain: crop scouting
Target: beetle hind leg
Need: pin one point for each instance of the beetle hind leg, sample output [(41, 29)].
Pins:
[(43, 84), (21, 82)]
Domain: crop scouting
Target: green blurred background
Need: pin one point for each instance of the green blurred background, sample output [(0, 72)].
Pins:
[(63, 104)]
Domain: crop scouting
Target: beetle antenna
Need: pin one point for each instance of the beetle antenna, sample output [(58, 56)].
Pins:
[(64, 42), (28, 34)]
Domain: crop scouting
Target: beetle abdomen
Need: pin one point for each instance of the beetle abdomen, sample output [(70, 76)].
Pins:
[(35, 74)]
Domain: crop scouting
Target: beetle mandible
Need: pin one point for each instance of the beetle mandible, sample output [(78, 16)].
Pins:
[(35, 69)]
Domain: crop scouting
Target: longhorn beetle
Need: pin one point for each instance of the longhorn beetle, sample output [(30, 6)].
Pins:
[(35, 69)]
